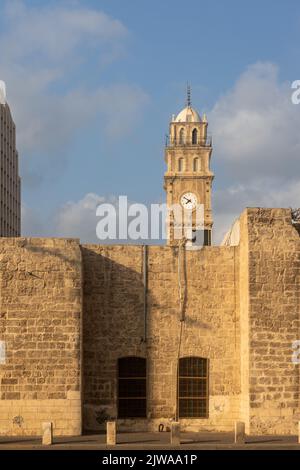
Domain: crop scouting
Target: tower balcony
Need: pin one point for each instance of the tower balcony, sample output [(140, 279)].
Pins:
[(206, 142)]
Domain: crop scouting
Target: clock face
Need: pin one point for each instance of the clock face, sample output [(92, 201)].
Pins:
[(188, 201)]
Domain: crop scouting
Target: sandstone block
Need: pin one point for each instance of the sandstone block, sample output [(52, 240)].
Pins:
[(239, 432), (175, 433), (47, 433), (111, 433)]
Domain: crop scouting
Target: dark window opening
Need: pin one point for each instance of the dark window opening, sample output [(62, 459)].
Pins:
[(194, 137), (193, 387), (201, 238), (181, 136), (132, 401), (207, 237)]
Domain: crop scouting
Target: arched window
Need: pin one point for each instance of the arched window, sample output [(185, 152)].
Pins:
[(132, 396), (194, 137), (180, 164), (196, 164), (193, 387), (181, 136)]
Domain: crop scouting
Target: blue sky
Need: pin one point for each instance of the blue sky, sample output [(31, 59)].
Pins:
[(92, 86)]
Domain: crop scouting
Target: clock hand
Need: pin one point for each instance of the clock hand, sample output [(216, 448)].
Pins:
[(188, 200)]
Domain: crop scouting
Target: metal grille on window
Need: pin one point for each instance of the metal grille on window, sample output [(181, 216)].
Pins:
[(132, 387), (193, 387), (207, 237)]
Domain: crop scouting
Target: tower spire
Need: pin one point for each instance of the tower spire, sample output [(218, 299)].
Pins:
[(188, 93)]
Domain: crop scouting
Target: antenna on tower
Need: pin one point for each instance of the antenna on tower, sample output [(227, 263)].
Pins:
[(188, 93)]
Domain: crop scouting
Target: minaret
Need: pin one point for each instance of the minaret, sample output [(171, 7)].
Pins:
[(188, 179)]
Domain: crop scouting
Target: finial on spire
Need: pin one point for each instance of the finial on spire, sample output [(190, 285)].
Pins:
[(188, 92)]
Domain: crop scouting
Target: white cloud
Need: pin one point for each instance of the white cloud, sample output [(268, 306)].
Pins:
[(74, 219), (231, 201), (42, 51), (55, 33), (256, 127), (256, 139), (256, 135), (49, 122), (78, 219)]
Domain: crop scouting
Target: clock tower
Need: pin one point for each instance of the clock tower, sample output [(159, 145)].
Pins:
[(188, 179)]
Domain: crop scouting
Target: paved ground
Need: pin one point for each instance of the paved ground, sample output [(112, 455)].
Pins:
[(154, 441)]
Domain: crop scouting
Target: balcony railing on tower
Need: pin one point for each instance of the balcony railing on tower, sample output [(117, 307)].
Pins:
[(172, 142)]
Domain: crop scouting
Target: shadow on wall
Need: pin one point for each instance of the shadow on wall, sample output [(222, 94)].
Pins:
[(114, 317), (113, 327), (53, 251)]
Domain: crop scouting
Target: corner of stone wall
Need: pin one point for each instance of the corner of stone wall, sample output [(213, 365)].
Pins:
[(244, 317), (270, 249)]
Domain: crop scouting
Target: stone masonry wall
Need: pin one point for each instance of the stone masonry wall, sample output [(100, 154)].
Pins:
[(244, 319), (274, 320), (40, 334), (113, 322), (242, 312)]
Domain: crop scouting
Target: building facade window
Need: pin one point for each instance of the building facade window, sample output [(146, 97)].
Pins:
[(194, 137), (201, 237), (192, 390), (207, 237), (132, 387)]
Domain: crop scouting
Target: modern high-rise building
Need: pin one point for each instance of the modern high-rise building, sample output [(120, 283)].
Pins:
[(10, 191)]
